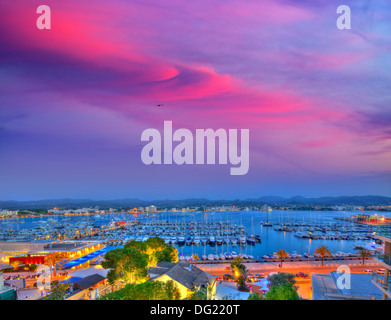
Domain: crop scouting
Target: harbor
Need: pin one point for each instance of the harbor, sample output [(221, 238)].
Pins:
[(213, 236)]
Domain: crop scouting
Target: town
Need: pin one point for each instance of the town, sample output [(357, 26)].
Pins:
[(221, 252)]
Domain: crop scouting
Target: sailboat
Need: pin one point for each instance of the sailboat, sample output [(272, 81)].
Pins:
[(267, 224), (204, 256)]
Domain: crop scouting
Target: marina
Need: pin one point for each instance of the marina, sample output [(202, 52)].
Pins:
[(213, 236)]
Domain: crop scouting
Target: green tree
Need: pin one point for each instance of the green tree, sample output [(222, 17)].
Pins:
[(156, 250), (240, 273), (282, 254), (199, 294), (169, 254), (139, 245), (364, 254), (128, 264), (238, 259), (281, 278), (283, 292), (196, 258), (323, 251), (150, 290), (255, 296), (154, 245), (58, 292)]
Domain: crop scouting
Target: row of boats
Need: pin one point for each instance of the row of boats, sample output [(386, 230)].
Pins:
[(295, 255), (181, 233), (218, 257), (329, 232), (118, 239), (212, 240)]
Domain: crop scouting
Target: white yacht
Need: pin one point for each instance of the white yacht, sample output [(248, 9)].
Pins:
[(196, 241)]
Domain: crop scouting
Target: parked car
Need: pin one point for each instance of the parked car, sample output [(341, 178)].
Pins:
[(301, 275), (228, 276), (381, 271)]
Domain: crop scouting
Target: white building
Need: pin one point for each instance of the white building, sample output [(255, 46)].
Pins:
[(8, 213), (150, 209)]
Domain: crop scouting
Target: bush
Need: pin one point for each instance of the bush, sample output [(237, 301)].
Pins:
[(150, 290), (254, 296), (283, 292)]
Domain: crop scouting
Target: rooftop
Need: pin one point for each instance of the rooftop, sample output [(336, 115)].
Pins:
[(73, 245), (89, 281), (70, 245), (183, 272), (324, 287), (225, 291)]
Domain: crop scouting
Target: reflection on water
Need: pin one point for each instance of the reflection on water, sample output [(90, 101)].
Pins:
[(251, 220)]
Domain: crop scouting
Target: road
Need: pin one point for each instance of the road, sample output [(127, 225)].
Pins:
[(304, 285), (293, 267)]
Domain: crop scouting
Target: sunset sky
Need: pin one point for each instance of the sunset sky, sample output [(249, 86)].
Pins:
[(75, 99)]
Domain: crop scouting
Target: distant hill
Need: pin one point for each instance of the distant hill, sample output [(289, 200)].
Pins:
[(129, 202)]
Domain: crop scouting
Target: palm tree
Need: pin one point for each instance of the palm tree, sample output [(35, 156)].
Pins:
[(323, 251), (364, 254), (195, 257), (282, 254)]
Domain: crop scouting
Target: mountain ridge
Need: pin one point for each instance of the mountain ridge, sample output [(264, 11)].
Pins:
[(134, 202)]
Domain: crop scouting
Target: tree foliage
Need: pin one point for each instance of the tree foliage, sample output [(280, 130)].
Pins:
[(282, 254), (199, 294), (282, 292), (364, 254), (131, 263), (156, 250), (255, 296), (58, 292), (323, 251), (281, 278), (169, 254), (127, 264), (240, 273), (150, 290)]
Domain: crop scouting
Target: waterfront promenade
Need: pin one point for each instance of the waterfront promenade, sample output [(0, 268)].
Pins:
[(292, 267), (304, 288)]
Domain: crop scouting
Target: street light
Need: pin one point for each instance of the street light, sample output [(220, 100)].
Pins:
[(309, 252)]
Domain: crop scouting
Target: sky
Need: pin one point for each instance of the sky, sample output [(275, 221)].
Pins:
[(75, 99)]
